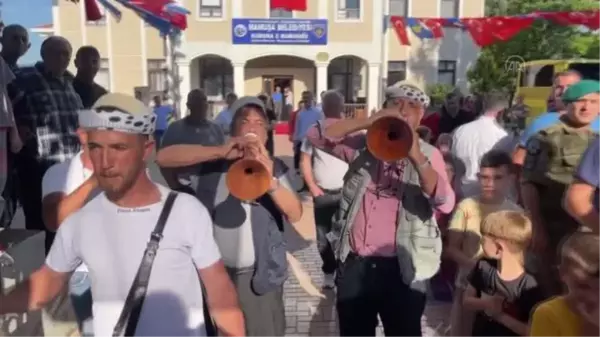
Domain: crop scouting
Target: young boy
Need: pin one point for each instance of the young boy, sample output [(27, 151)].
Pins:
[(576, 312), (464, 237), (501, 292)]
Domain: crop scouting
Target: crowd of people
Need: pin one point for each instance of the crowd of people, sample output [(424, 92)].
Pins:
[(506, 229)]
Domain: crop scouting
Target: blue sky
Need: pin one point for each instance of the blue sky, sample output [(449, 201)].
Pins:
[(28, 13)]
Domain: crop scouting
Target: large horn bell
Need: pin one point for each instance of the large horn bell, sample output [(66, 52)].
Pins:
[(248, 179), (389, 139)]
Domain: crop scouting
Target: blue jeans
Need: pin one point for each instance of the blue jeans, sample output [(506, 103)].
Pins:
[(80, 289)]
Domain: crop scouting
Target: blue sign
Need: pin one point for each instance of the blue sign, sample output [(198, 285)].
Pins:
[(279, 31)]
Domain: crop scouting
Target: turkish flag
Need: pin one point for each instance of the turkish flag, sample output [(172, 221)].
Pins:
[(289, 5), (590, 19), (92, 11), (479, 30), (400, 29), (504, 28), (157, 7), (435, 26)]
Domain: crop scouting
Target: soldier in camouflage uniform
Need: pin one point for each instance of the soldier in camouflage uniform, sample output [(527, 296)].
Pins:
[(552, 158)]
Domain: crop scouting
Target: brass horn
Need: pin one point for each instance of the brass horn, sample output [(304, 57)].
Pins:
[(389, 139), (248, 179)]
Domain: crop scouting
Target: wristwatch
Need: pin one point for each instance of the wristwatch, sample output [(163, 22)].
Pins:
[(274, 185)]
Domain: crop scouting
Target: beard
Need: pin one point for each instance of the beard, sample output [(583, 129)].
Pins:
[(117, 185)]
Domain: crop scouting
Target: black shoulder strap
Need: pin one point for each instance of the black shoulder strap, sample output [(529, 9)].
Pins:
[(137, 293), (320, 128)]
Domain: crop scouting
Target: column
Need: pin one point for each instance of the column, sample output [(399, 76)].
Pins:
[(321, 77), (183, 70), (239, 78), (373, 87)]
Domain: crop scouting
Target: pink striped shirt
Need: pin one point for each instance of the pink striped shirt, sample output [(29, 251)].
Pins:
[(374, 228)]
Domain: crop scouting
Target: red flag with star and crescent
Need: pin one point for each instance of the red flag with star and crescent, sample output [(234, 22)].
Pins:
[(590, 19), (157, 7), (400, 29)]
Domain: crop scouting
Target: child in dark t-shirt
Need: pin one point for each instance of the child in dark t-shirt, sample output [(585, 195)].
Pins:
[(500, 290)]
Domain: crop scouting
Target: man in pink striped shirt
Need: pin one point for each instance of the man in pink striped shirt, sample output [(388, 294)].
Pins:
[(371, 277)]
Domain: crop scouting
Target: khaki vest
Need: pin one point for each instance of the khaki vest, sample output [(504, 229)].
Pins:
[(553, 155), (418, 240)]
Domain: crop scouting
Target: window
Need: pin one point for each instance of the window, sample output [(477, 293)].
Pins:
[(341, 77), (399, 7), (103, 75), (102, 21), (210, 8), (348, 9), (396, 72), (281, 13), (216, 77), (449, 8), (447, 72), (157, 76)]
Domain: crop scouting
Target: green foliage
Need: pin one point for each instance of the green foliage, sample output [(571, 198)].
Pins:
[(437, 92), (543, 40)]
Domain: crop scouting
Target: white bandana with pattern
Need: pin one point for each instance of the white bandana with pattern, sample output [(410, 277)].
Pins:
[(106, 118), (415, 95)]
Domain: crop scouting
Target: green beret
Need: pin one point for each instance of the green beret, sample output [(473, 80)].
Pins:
[(580, 89)]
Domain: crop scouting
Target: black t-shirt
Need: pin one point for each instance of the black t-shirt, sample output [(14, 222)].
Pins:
[(89, 93), (448, 123), (521, 294)]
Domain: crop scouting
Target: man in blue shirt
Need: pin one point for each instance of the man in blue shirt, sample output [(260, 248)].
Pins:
[(277, 97), (562, 81), (224, 118), (306, 118), (163, 114)]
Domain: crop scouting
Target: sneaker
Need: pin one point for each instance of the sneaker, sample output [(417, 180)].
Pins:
[(329, 281)]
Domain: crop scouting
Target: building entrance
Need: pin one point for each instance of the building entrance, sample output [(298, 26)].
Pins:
[(281, 81)]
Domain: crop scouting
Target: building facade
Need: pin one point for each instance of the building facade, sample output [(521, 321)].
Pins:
[(242, 46)]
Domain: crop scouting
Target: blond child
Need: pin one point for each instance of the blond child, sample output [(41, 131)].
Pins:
[(576, 312), (464, 235), (500, 291)]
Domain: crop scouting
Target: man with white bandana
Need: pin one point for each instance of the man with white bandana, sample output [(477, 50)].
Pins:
[(385, 236), (110, 234)]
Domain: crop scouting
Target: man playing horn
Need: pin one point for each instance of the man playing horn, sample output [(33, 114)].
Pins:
[(385, 234), (249, 233)]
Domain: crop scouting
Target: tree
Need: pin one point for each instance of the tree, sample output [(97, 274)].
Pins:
[(543, 40)]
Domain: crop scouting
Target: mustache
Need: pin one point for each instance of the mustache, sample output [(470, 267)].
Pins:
[(109, 174)]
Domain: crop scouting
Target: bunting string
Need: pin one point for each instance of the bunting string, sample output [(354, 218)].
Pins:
[(488, 30)]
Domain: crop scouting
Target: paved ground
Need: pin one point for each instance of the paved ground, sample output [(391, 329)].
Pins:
[(308, 315)]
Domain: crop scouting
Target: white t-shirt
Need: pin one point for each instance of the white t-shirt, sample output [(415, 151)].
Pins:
[(111, 241), (328, 170), (470, 142), (65, 178)]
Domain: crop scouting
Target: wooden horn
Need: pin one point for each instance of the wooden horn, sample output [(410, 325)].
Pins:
[(390, 138), (248, 179)]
